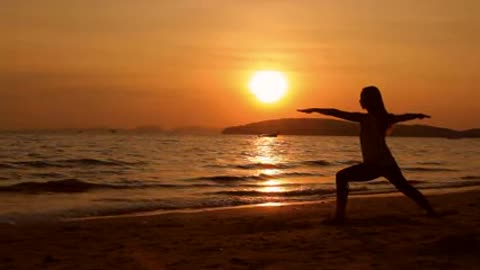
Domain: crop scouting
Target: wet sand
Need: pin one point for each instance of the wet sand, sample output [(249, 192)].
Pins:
[(383, 232)]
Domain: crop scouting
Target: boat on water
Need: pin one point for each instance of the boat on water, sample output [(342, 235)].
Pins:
[(269, 135)]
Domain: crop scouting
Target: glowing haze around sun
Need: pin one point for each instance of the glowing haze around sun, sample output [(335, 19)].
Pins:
[(268, 86)]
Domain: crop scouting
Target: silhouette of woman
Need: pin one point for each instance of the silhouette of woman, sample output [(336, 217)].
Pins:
[(377, 158)]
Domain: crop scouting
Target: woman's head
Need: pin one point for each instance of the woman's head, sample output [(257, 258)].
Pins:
[(371, 100)]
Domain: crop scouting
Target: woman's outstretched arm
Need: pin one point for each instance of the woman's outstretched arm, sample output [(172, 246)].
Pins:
[(356, 117), (408, 116)]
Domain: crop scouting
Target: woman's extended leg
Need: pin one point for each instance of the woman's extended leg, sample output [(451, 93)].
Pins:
[(355, 173), (396, 177)]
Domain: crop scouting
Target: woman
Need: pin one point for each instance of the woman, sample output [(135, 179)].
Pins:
[(377, 158)]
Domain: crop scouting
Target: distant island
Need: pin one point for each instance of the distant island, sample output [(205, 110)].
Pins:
[(329, 127), (287, 126)]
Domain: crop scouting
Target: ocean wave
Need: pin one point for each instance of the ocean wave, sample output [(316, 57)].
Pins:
[(316, 163), (326, 191), (290, 174), (290, 193), (97, 162), (452, 184), (66, 185), (74, 186), (227, 178), (426, 169), (265, 166), (6, 166), (430, 163), (48, 175), (33, 164), (35, 155), (245, 178), (253, 166), (471, 177), (66, 163)]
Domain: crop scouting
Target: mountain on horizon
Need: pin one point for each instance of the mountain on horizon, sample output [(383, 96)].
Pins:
[(329, 127)]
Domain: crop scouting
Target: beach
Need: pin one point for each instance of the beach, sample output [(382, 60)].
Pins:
[(187, 135), (384, 231)]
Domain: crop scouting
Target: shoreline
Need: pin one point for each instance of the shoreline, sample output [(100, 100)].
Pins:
[(21, 218), (359, 194), (382, 232)]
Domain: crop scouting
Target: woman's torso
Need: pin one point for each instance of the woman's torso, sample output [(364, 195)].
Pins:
[(372, 140)]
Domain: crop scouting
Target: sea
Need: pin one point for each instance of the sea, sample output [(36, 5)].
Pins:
[(65, 175)]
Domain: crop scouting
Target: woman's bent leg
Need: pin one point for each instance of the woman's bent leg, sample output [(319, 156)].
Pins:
[(356, 173)]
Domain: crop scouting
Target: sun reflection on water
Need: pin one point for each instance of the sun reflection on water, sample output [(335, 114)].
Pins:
[(265, 154), (272, 189), (270, 172), (272, 204), (272, 186)]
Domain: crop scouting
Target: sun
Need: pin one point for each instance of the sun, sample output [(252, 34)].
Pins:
[(268, 85)]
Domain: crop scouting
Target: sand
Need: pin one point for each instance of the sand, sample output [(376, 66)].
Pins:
[(383, 232)]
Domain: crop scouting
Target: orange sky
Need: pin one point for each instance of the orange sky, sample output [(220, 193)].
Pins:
[(118, 63)]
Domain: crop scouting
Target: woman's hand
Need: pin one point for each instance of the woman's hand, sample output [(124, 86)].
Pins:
[(421, 116), (309, 110)]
